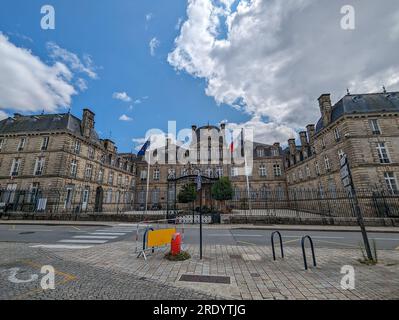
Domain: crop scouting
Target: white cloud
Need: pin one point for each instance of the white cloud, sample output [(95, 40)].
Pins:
[(154, 44), (123, 96), (81, 84), (272, 59), (178, 23), (124, 117), (3, 115), (27, 84), (72, 60)]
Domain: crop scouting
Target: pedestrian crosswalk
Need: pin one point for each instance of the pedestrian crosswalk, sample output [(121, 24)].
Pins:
[(89, 239)]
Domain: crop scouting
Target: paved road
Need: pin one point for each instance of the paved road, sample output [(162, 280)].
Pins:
[(72, 237)]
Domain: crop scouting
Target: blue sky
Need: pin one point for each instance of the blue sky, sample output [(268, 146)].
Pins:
[(116, 34), (260, 64)]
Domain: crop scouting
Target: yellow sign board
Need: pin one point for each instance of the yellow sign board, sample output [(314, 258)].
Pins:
[(159, 238)]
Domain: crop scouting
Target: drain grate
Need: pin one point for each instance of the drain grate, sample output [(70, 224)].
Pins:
[(235, 256), (206, 279)]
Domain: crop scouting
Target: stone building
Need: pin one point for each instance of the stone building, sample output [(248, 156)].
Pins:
[(58, 163), (209, 142), (363, 126)]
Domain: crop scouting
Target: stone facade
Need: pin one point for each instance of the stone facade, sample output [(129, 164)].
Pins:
[(61, 159)]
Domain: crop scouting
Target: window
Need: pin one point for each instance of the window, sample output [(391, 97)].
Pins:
[(15, 167), (300, 175), (110, 177), (100, 176), (68, 198), (44, 143), (141, 197), (277, 170), (307, 171), (156, 174), (375, 127), (317, 168), (88, 171), (337, 134), (76, 147), (260, 152), (327, 163), (383, 153), (293, 177), (219, 172), (391, 182), (155, 196), (143, 175), (274, 152), (262, 171), (39, 165), (21, 144), (234, 171), (209, 172), (119, 181), (2, 143), (74, 167), (91, 153), (323, 143), (108, 198)]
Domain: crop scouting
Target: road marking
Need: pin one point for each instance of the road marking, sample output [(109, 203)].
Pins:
[(339, 243), (60, 246), (385, 239), (30, 230), (83, 241), (108, 233), (94, 237), (114, 230), (397, 248), (76, 228), (127, 225)]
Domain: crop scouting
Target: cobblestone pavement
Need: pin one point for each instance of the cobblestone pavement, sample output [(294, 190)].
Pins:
[(113, 271), (77, 280)]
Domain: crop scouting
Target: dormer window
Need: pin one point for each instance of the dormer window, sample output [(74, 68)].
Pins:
[(260, 153)]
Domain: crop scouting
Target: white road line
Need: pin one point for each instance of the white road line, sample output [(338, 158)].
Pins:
[(114, 230), (60, 246), (83, 241), (127, 225), (108, 233), (385, 239), (94, 237)]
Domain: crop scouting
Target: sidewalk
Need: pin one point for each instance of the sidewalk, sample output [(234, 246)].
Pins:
[(212, 226), (249, 272)]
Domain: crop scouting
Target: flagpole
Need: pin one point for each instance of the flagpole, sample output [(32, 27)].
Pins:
[(246, 173), (148, 181)]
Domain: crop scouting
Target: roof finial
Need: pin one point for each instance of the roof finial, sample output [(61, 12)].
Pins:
[(384, 89), (347, 91)]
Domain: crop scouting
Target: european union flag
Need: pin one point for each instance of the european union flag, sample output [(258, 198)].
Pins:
[(144, 148)]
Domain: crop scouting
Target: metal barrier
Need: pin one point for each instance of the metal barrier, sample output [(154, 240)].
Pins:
[(303, 251), (144, 227), (281, 245)]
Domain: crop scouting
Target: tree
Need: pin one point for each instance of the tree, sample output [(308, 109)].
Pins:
[(222, 190), (187, 194)]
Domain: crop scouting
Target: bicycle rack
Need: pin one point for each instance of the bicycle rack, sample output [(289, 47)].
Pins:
[(304, 253), (281, 245)]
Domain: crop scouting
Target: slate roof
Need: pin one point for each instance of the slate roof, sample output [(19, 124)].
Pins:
[(363, 103), (45, 123)]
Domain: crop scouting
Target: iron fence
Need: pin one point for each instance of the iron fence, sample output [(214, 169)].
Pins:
[(294, 203)]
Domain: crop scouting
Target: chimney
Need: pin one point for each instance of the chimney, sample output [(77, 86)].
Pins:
[(87, 122), (17, 115), (304, 138), (311, 129), (325, 108), (276, 145), (292, 146), (222, 126)]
